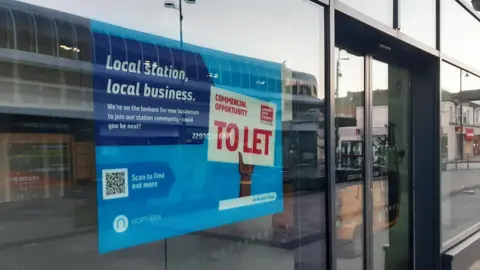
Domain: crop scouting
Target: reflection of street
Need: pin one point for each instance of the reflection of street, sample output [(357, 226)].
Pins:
[(379, 240), (37, 233), (28, 221), (347, 261), (183, 253)]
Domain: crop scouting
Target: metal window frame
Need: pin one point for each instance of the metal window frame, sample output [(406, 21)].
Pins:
[(469, 9), (368, 163), (323, 3), (433, 217), (396, 14), (396, 33), (437, 211), (330, 153)]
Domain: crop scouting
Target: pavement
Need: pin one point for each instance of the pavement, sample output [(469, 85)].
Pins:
[(379, 240), (460, 201), (61, 234)]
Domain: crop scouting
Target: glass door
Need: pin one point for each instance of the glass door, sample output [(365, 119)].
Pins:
[(350, 161), (388, 178), (372, 170)]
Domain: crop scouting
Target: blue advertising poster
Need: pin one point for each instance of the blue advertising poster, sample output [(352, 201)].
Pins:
[(186, 140)]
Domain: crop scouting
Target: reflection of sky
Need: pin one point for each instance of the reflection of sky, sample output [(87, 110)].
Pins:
[(381, 10), (451, 79), (351, 70), (461, 37), (291, 30), (418, 20)]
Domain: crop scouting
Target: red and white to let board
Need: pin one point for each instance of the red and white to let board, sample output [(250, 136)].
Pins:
[(239, 123)]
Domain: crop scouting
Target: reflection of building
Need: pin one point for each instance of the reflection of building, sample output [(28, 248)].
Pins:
[(303, 139), (44, 157), (47, 69), (460, 131), (460, 125)]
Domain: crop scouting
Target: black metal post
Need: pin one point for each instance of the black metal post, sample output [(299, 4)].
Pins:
[(181, 23), (330, 135), (337, 124), (461, 115), (396, 14)]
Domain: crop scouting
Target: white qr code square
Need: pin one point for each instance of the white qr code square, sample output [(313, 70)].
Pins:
[(115, 183)]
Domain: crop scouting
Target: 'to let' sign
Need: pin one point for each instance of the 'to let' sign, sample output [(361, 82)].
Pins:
[(260, 140), (241, 124)]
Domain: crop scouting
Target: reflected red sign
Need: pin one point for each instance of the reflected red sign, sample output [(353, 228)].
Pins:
[(469, 134), (26, 178)]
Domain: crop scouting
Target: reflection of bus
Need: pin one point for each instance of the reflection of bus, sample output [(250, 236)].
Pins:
[(351, 154), (303, 149), (303, 84)]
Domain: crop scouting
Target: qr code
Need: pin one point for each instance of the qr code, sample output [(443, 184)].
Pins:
[(115, 183)]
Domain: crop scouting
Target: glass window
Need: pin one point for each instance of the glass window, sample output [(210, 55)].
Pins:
[(381, 10), (6, 29), (460, 153), (7, 95), (84, 43), (72, 87), (460, 34), (66, 45), (134, 50), (46, 35), (452, 113), (33, 74), (25, 31), (418, 20), (126, 165)]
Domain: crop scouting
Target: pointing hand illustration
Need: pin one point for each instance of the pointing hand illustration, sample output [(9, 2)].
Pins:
[(246, 172)]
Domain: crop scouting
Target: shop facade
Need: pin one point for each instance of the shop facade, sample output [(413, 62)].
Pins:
[(286, 134)]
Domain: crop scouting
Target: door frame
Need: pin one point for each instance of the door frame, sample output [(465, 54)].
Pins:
[(424, 130), (370, 210)]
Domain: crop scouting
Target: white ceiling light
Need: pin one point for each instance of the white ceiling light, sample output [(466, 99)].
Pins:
[(68, 48)]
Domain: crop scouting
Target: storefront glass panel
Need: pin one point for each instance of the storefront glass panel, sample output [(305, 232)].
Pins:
[(460, 126), (132, 140)]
